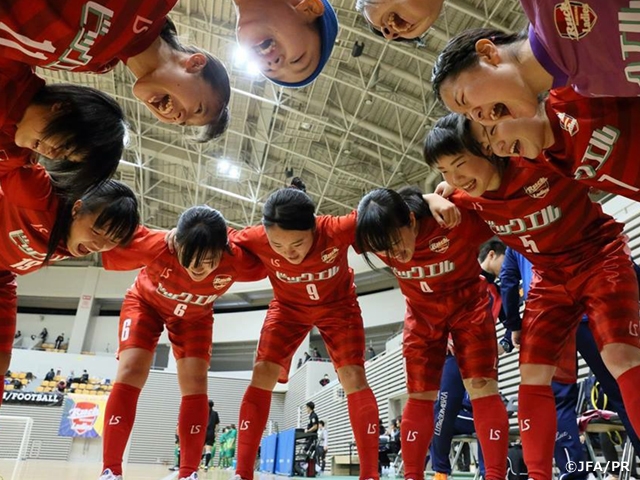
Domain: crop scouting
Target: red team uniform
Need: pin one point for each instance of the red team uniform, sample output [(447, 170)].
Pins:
[(319, 292), (595, 141), (162, 295), (74, 35), (79, 35), (580, 262), (28, 209), (445, 294)]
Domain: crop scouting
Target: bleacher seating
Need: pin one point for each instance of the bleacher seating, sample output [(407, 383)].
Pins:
[(95, 386)]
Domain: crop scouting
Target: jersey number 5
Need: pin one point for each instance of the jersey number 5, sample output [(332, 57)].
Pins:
[(312, 290)]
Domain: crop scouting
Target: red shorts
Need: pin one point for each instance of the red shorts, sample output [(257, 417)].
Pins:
[(8, 310), (467, 317), (285, 328), (604, 287), (141, 326)]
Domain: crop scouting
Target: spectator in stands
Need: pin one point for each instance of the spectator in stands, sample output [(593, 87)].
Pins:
[(299, 363), (316, 353), (370, 353), (307, 357), (84, 378), (61, 386), (44, 334), (210, 440), (323, 445), (17, 384), (50, 375), (18, 334), (325, 380), (59, 340)]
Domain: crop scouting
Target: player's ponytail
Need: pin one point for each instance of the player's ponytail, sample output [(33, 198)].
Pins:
[(381, 215), (201, 233), (290, 208)]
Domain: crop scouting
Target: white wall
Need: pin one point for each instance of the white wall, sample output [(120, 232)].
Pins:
[(39, 363), (32, 324)]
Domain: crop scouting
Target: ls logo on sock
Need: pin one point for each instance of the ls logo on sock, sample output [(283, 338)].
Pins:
[(195, 429), (372, 429), (494, 434), (525, 424), (412, 436)]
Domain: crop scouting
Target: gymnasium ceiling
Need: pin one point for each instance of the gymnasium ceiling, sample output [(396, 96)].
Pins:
[(358, 127)]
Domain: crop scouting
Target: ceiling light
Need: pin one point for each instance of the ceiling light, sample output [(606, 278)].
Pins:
[(240, 56), (253, 69)]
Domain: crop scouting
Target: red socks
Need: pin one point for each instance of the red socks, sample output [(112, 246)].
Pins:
[(538, 425), (492, 428), (254, 413), (192, 429), (118, 422), (363, 414), (628, 383), (416, 430)]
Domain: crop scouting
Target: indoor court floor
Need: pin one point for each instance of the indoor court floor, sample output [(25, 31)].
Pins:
[(57, 470)]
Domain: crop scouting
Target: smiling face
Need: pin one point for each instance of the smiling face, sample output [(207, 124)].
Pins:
[(30, 134), (281, 36), (199, 272), (475, 175), (404, 245), (293, 245), (177, 93), (491, 91), (84, 237), (523, 137), (401, 18)]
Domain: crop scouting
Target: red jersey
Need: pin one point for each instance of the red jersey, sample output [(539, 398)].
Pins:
[(79, 35), (595, 141), (444, 260), (29, 208), (324, 276), (165, 285), (548, 218)]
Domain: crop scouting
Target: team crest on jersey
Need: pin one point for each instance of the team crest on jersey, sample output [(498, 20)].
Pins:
[(329, 255), (221, 281), (439, 244), (574, 20), (538, 189), (40, 228), (568, 123)]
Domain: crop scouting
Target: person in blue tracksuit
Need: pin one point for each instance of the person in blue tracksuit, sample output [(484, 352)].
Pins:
[(516, 268), (451, 416)]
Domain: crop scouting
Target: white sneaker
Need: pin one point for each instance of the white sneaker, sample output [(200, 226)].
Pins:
[(193, 476), (109, 475)]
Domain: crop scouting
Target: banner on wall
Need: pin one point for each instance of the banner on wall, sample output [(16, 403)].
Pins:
[(82, 416), (49, 399)]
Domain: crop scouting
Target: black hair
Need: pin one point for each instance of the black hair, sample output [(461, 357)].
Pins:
[(290, 208), (381, 214), (91, 125), (214, 73), (311, 405), (494, 244), (201, 231), (210, 403), (451, 135), (459, 53), (118, 214), (321, 422)]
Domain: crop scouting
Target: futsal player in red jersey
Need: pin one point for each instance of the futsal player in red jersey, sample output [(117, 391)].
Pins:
[(39, 225), (176, 290), (306, 260), (81, 128), (439, 275), (178, 83), (581, 266), (590, 139)]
